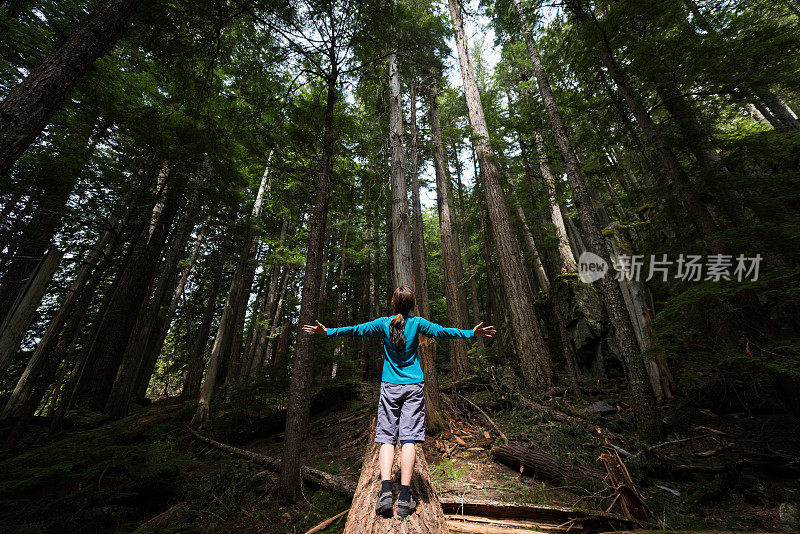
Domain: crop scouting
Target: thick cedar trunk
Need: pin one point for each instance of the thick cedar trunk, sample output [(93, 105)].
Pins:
[(401, 229), (420, 277), (194, 372), (27, 108), (300, 385), (428, 517), (694, 206), (451, 261), (644, 403), (532, 350), (221, 353)]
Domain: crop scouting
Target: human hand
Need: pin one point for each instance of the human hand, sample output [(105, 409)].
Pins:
[(319, 328), (484, 331)]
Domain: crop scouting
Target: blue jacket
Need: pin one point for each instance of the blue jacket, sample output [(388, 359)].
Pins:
[(401, 368)]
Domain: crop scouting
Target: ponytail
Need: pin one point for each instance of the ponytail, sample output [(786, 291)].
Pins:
[(397, 332), (403, 302)]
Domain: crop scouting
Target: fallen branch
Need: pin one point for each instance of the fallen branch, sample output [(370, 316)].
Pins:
[(487, 417), (630, 500), (531, 461), (326, 523), (313, 476)]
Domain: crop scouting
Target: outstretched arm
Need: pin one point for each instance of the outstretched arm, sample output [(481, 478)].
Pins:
[(370, 329), (434, 330)]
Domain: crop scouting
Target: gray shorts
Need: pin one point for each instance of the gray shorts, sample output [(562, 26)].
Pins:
[(401, 413)]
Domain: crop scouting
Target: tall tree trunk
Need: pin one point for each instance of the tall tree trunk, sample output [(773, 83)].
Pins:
[(263, 331), (68, 163), (538, 268), (21, 314), (27, 108), (194, 372), (269, 355), (456, 316), (149, 323), (401, 228), (240, 283), (129, 297), (155, 345), (420, 277), (533, 353), (297, 413), (464, 235), (648, 418)]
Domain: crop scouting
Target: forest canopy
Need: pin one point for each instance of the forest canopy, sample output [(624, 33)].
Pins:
[(612, 184)]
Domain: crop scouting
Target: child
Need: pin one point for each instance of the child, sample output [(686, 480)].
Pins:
[(401, 409)]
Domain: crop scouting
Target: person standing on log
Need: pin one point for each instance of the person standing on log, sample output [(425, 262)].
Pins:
[(401, 409)]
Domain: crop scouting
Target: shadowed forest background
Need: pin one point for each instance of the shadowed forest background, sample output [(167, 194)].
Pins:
[(184, 184)]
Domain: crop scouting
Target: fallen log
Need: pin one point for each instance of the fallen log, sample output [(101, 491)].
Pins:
[(428, 517), (549, 518), (531, 461), (313, 476)]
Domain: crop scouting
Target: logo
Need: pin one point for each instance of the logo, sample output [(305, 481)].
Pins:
[(591, 267)]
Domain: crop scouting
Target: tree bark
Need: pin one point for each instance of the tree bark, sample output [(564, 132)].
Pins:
[(648, 418), (401, 229), (149, 323), (194, 372), (420, 276), (27, 108), (240, 283), (533, 353), (456, 316), (300, 385), (428, 517)]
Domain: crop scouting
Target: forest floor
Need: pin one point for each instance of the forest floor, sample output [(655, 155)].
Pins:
[(144, 473)]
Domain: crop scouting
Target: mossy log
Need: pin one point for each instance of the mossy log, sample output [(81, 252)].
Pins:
[(428, 517)]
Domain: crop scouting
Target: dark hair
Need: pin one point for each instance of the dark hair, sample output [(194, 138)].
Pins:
[(403, 301)]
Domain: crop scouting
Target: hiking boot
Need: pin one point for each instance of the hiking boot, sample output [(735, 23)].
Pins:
[(384, 502), (406, 508)]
